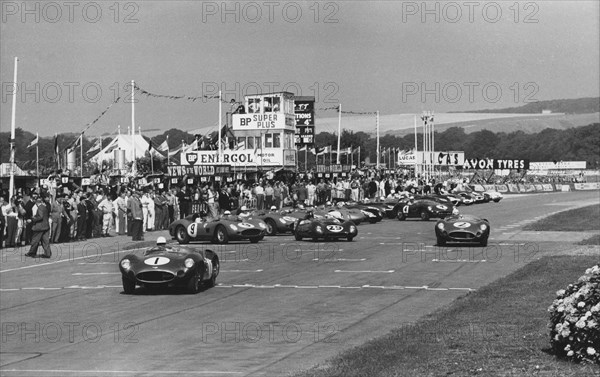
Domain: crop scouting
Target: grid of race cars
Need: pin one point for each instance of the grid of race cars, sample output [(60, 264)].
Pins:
[(191, 268)]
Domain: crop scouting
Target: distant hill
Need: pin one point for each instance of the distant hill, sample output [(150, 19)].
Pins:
[(528, 124), (567, 106)]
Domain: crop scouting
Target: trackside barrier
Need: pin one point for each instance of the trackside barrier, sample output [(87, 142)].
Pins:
[(538, 187), (565, 188), (547, 187), (587, 186)]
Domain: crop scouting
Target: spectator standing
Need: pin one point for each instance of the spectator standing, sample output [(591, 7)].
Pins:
[(269, 192), (134, 209), (260, 196), (311, 191), (41, 230), (106, 206)]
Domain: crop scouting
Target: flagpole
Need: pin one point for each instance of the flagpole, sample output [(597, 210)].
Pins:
[(337, 160), (220, 110), (132, 125), (306, 158), (37, 157), (351, 156), (377, 124), (81, 155), (416, 150), (11, 185), (168, 152), (358, 164)]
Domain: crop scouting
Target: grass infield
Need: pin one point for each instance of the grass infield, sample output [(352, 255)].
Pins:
[(499, 330), (574, 220)]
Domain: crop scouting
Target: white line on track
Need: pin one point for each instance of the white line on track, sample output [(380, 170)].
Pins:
[(458, 261), (259, 286), (68, 260), (97, 263), (118, 372), (340, 259), (241, 270), (95, 273), (368, 271)]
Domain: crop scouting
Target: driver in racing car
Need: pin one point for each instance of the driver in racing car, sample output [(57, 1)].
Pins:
[(244, 213), (309, 215), (202, 217)]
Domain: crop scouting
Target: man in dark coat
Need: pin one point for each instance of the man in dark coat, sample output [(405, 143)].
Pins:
[(41, 230)]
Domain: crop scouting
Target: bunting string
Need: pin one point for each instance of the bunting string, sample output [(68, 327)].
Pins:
[(87, 126), (337, 109), (184, 97)]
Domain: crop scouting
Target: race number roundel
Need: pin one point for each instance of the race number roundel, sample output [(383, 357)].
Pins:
[(441, 207), (246, 225), (462, 224), (157, 261), (192, 230)]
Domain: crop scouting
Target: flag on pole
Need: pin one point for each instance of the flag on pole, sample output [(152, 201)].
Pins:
[(176, 150), (313, 150), (95, 147), (164, 146), (241, 144), (34, 141), (324, 150), (302, 149)]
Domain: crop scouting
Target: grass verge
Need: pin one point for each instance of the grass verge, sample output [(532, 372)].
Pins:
[(574, 220), (594, 240), (499, 330)]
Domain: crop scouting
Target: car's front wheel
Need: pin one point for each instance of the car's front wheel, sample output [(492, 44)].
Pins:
[(271, 227), (424, 215), (441, 241), (483, 242), (193, 285), (350, 238), (128, 285), (255, 239), (182, 235), (215, 272), (221, 235), (297, 236)]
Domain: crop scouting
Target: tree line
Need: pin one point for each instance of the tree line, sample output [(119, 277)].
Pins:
[(574, 144)]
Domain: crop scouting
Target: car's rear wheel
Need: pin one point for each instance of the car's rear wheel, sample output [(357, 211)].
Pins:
[(441, 241), (297, 236), (424, 215), (401, 216), (128, 285), (271, 227), (193, 285), (221, 236), (182, 235)]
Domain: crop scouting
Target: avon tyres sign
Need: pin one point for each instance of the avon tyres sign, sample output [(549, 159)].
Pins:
[(491, 163)]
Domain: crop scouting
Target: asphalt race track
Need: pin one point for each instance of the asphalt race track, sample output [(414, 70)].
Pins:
[(280, 305)]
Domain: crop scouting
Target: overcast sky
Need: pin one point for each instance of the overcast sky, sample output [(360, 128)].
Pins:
[(390, 56)]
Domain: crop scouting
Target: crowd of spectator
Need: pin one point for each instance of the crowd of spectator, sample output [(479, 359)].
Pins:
[(101, 210)]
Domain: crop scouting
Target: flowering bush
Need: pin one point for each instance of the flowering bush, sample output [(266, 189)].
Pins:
[(575, 317)]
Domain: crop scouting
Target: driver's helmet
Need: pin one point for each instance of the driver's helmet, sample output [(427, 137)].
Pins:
[(244, 208), (227, 213), (273, 208), (161, 241), (328, 203), (300, 206)]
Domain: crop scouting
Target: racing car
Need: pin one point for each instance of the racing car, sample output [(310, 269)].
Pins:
[(163, 265), (325, 228), (277, 221), (462, 228), (494, 196), (424, 209), (373, 214), (197, 227)]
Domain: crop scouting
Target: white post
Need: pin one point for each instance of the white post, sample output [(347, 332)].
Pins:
[(133, 121), (433, 141), (11, 185), (337, 160), (416, 147), (37, 157), (377, 126), (219, 141), (81, 155)]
